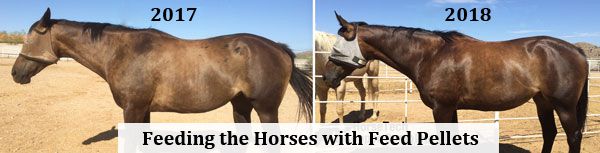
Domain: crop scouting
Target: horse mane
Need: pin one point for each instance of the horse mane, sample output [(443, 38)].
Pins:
[(97, 29), (324, 41), (448, 36)]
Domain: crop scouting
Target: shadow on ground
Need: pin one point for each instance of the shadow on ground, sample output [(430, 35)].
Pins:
[(512, 148), (102, 136), (354, 117)]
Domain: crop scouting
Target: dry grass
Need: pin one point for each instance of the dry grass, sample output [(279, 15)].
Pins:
[(12, 38)]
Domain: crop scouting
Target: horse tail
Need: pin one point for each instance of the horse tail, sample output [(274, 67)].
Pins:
[(302, 85), (582, 106)]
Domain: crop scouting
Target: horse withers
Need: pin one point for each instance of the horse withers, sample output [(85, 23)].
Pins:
[(151, 71), (454, 71)]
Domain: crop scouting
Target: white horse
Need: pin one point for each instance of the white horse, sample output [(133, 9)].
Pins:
[(324, 42)]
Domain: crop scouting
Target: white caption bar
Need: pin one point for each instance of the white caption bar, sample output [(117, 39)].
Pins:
[(308, 138)]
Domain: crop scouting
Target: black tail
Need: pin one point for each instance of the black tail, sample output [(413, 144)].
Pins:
[(302, 85), (582, 106)]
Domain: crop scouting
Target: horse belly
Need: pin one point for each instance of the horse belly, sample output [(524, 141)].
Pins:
[(495, 100), (194, 96), (186, 105)]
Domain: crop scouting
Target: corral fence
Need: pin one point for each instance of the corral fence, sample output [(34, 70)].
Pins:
[(408, 88), (304, 65)]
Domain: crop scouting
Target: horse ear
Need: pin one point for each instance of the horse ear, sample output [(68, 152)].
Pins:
[(341, 20), (45, 20)]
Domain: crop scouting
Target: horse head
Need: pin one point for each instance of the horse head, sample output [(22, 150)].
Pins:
[(37, 51), (348, 53)]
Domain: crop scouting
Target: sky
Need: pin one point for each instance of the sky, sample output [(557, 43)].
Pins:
[(573, 21), (289, 22)]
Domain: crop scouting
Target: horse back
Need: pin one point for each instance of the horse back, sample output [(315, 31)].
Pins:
[(503, 75)]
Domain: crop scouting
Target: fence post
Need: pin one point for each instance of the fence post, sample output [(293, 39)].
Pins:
[(496, 117), (411, 87), (588, 91), (405, 101), (386, 68)]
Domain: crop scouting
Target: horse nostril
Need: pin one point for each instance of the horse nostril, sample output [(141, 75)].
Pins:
[(324, 78), (13, 73)]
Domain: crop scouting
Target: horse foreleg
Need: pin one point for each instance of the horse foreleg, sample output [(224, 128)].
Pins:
[(362, 93), (455, 117), (340, 94), (133, 114), (373, 86), (323, 112), (444, 114), (322, 95), (147, 117), (373, 91), (242, 108)]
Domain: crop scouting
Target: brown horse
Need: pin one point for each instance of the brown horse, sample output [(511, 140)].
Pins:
[(324, 42), (454, 71), (151, 71)]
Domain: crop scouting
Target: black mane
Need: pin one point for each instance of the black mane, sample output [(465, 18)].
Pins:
[(446, 35), (96, 29)]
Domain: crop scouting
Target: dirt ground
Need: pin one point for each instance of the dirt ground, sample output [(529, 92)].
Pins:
[(418, 112), (68, 108)]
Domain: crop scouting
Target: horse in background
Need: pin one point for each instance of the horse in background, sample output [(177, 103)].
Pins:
[(324, 42)]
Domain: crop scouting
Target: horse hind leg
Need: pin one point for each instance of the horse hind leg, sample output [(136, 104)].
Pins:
[(568, 119), (242, 108), (267, 107), (545, 111)]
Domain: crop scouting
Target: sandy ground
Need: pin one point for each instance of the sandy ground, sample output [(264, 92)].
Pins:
[(418, 112), (68, 108)]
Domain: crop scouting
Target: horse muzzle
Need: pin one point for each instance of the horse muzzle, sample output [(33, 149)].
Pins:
[(21, 78), (332, 82)]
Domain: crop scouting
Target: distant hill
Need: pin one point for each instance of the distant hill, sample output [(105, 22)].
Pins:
[(304, 55), (304, 61), (592, 51)]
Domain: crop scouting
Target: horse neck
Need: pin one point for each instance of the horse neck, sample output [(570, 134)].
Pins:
[(93, 54), (400, 52)]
